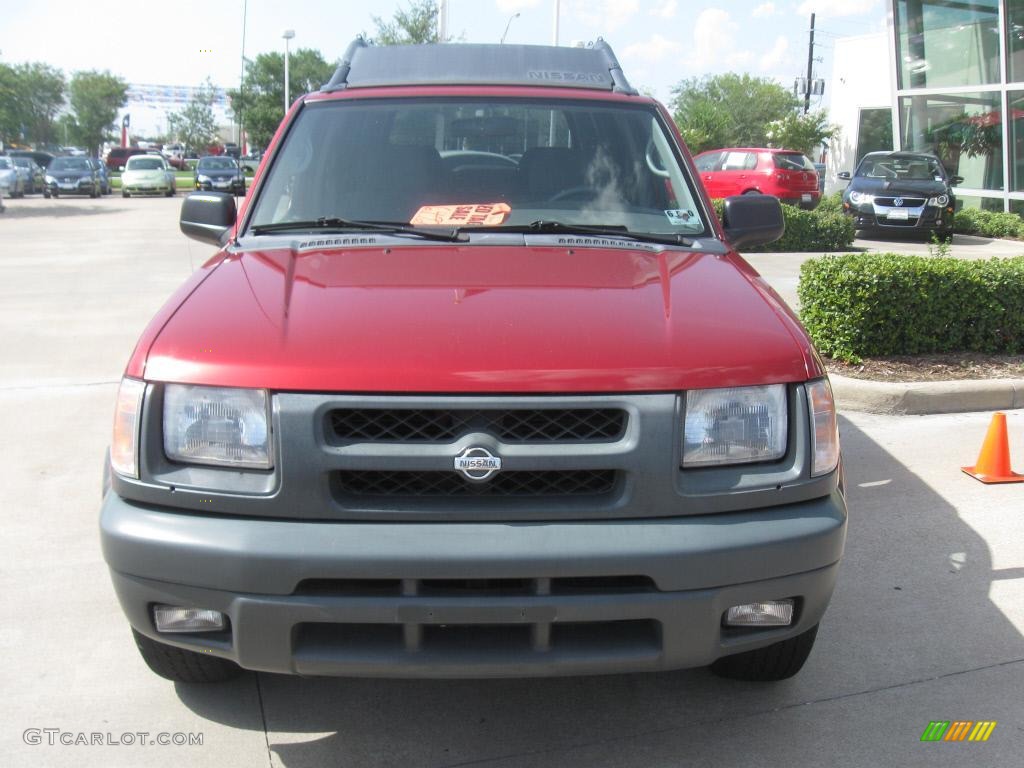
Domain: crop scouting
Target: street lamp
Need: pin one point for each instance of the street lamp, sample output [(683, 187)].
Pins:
[(288, 35), (510, 19)]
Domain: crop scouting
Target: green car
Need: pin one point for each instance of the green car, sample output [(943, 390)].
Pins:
[(147, 175)]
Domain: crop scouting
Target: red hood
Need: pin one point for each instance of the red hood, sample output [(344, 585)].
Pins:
[(478, 319)]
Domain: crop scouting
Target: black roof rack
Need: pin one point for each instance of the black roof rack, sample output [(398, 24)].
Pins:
[(365, 65)]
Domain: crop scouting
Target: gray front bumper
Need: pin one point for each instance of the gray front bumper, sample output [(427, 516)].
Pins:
[(250, 569)]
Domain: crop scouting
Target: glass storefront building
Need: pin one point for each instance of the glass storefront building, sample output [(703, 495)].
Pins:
[(959, 70)]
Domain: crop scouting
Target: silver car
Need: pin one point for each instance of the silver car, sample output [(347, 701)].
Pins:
[(12, 183)]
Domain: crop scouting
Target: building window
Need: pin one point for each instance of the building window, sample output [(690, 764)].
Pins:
[(874, 131), (943, 43), (964, 129), (1015, 40)]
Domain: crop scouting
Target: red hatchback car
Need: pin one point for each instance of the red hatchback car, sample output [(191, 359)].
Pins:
[(785, 173)]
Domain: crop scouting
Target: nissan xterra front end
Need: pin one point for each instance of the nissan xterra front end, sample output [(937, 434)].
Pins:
[(476, 385)]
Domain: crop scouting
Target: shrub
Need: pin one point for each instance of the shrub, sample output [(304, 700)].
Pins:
[(818, 230), (870, 304), (832, 203), (972, 221)]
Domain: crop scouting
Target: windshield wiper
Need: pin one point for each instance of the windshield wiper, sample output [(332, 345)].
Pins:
[(334, 224), (542, 226)]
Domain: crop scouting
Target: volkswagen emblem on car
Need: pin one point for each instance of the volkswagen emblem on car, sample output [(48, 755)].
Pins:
[(477, 463), (898, 202)]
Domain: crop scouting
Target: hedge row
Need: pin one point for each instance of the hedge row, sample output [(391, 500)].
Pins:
[(823, 229), (971, 221), (870, 304)]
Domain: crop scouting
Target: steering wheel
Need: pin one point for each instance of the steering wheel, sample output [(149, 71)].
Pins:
[(581, 192), (649, 157)]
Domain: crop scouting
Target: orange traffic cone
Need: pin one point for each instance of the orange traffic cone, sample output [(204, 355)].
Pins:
[(994, 460)]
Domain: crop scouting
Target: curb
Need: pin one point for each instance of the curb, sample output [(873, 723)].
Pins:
[(924, 397)]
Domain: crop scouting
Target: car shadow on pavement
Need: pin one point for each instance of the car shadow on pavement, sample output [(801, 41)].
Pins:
[(912, 606), (57, 210)]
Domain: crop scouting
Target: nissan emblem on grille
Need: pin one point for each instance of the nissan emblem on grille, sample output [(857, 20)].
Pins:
[(898, 202), (477, 463)]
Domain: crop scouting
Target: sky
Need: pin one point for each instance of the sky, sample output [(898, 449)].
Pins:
[(658, 42)]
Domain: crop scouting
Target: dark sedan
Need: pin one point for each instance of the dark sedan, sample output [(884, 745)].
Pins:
[(901, 192), (220, 174), (71, 176)]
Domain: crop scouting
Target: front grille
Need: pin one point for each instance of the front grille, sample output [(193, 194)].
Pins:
[(426, 425), (398, 483), (908, 202), (559, 585)]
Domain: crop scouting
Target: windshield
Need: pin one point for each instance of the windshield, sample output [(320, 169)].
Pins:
[(69, 164), (443, 162), (216, 164), (914, 168), (144, 164)]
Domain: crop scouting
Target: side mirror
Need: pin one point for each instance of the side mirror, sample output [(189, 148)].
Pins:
[(956, 181), (844, 175), (207, 216), (751, 220)]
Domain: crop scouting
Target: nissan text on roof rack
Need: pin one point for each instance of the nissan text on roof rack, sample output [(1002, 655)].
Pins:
[(475, 385)]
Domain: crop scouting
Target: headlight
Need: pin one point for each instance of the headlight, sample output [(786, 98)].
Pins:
[(124, 445), (939, 201), (203, 179), (861, 197), (738, 425), (214, 425), (825, 436)]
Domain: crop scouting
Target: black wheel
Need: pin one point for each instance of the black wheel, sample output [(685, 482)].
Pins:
[(46, 194), (183, 666), (124, 194), (774, 662), (55, 194)]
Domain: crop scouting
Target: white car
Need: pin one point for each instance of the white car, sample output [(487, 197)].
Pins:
[(147, 175)]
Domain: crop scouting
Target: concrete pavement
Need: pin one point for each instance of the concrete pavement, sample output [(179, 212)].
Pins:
[(927, 622)]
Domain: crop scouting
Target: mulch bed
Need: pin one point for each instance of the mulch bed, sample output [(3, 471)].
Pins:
[(946, 367)]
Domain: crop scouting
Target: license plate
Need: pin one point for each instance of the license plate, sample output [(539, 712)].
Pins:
[(805, 198), (67, 186), (897, 214)]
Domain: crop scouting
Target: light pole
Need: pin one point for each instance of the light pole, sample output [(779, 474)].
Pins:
[(510, 19), (288, 35)]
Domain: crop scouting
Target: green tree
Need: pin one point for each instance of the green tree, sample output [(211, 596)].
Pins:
[(799, 131), (95, 98), (10, 121), (261, 99), (417, 24), (194, 126), (728, 110), (40, 89)]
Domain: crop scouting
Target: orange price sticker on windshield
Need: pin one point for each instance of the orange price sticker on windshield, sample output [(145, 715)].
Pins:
[(471, 215)]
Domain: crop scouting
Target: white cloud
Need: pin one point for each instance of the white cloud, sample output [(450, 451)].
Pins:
[(513, 6), (715, 48), (654, 49), (776, 55), (835, 8), (666, 9), (764, 10), (607, 14)]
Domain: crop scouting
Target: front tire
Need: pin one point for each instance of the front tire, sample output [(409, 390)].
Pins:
[(125, 194), (183, 666), (778, 661)]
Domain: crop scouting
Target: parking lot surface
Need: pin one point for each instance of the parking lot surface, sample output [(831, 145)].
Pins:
[(927, 622)]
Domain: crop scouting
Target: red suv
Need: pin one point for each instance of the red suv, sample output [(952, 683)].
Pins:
[(118, 156), (526, 412), (784, 173)]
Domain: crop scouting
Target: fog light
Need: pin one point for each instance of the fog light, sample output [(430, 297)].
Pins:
[(169, 618), (767, 613)]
